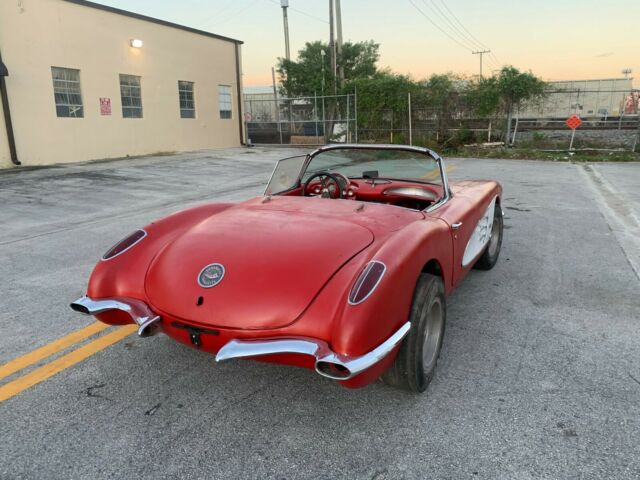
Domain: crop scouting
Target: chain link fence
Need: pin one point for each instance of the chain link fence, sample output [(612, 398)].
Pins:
[(315, 120), (611, 121)]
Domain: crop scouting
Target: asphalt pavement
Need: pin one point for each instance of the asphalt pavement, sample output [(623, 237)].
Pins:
[(539, 376)]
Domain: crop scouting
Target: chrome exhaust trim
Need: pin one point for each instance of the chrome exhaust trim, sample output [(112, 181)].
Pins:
[(139, 312), (327, 363)]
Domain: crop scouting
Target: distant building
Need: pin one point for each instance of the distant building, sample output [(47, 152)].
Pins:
[(609, 97), (84, 81)]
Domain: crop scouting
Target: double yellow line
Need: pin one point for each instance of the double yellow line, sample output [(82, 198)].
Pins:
[(61, 363)]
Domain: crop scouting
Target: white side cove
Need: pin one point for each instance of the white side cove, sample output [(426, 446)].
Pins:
[(480, 236)]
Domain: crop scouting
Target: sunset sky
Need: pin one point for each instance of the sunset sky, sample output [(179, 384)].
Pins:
[(556, 39)]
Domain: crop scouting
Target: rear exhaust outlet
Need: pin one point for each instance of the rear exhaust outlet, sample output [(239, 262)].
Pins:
[(78, 307), (147, 321), (335, 371)]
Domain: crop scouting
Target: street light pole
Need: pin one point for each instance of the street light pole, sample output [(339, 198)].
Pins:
[(285, 20), (322, 55), (339, 49)]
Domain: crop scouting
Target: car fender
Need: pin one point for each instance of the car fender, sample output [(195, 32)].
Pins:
[(124, 275), (362, 327)]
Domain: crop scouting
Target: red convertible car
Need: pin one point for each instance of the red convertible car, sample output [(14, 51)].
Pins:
[(343, 266)]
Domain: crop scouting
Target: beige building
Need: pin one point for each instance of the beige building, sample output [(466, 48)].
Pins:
[(84, 81)]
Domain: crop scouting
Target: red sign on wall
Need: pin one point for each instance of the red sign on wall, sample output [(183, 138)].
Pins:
[(573, 122), (105, 106)]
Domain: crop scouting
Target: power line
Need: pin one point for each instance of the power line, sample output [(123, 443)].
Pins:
[(438, 26), (461, 39), (453, 26), (226, 18), (301, 12), (492, 55)]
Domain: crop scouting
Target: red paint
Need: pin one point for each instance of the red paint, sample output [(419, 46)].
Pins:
[(290, 263)]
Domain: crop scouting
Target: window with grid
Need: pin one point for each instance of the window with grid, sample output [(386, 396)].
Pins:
[(187, 101), (224, 101), (131, 96), (66, 92)]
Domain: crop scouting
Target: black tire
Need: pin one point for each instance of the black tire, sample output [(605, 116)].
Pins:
[(490, 255), (417, 358)]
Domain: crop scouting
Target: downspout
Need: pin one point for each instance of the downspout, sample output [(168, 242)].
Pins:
[(239, 95), (7, 113)]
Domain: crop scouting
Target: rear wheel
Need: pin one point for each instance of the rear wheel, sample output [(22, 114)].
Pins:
[(490, 256), (416, 361)]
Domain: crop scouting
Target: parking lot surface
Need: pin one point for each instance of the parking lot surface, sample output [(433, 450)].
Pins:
[(539, 376)]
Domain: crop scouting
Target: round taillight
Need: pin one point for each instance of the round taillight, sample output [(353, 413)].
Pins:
[(124, 244), (367, 282)]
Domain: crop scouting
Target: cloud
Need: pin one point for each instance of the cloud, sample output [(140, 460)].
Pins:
[(606, 54)]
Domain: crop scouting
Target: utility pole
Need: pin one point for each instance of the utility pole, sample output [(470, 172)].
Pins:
[(285, 20), (481, 52), (626, 72), (332, 48), (339, 28)]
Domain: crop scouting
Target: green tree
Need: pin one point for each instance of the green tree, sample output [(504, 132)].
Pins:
[(504, 92), (305, 75)]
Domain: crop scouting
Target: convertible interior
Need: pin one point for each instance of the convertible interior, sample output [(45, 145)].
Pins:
[(401, 193), (404, 178)]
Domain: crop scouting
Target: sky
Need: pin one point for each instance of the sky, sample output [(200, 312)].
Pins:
[(555, 39)]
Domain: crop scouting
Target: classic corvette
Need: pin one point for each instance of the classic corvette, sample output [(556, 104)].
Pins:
[(343, 266)]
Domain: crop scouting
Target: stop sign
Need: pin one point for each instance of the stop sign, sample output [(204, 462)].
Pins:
[(573, 122)]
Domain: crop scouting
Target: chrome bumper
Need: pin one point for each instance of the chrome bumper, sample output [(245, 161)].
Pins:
[(327, 363), (139, 312)]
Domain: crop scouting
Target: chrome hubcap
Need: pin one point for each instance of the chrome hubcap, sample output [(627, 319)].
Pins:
[(433, 332)]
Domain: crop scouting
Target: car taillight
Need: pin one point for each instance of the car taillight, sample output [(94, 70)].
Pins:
[(367, 282), (125, 244)]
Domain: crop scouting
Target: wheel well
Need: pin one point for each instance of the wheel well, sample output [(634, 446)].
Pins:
[(433, 267)]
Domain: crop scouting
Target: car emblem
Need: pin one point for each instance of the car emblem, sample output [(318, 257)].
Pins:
[(211, 275)]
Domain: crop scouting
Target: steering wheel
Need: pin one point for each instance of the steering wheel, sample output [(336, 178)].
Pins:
[(329, 185)]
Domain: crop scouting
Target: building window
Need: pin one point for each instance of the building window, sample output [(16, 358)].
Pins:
[(224, 101), (131, 96), (187, 101), (66, 92)]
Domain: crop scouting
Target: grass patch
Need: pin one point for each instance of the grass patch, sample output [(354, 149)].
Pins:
[(536, 154)]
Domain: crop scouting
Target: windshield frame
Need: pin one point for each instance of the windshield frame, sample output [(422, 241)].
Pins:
[(347, 146)]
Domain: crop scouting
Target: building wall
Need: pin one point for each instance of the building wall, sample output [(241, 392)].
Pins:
[(601, 98), (38, 34)]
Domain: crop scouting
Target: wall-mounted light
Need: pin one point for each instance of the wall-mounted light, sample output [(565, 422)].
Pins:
[(135, 43)]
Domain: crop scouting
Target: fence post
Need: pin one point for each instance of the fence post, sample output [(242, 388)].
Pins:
[(507, 139), (348, 140), (355, 106), (515, 130), (324, 126), (489, 134), (410, 135), (315, 110), (391, 129)]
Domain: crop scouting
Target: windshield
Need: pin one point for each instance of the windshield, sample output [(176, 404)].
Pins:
[(395, 164), (285, 175)]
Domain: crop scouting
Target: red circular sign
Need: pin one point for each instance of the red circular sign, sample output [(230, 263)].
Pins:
[(573, 122)]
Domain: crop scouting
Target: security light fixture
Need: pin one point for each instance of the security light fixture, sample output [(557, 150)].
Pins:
[(135, 43)]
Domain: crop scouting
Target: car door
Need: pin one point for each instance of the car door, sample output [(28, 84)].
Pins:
[(461, 215)]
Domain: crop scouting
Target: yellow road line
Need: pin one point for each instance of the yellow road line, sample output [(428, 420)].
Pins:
[(49, 349), (65, 361)]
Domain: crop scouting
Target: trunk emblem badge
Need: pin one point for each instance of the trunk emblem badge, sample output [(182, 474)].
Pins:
[(211, 275)]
